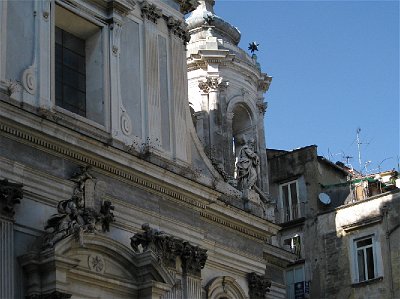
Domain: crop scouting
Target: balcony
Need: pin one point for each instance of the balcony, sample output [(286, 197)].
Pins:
[(288, 214)]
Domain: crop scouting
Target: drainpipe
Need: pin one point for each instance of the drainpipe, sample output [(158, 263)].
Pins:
[(385, 211)]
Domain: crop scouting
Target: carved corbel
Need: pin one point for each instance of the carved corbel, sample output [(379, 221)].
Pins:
[(10, 195), (150, 11), (258, 285), (264, 83), (262, 107)]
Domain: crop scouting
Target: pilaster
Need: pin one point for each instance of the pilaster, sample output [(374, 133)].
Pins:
[(10, 195)]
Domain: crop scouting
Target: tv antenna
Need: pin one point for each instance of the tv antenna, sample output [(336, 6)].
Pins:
[(359, 148)]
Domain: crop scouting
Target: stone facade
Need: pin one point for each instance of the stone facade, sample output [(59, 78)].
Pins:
[(346, 247), (226, 88), (110, 193), (339, 234)]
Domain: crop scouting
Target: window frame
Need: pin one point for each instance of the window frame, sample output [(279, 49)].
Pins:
[(377, 257), (363, 249), (291, 216), (289, 294), (93, 17)]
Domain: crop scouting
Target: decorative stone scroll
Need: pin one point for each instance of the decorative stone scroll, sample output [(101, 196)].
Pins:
[(78, 214), (150, 11), (168, 248), (10, 195), (258, 285), (178, 28)]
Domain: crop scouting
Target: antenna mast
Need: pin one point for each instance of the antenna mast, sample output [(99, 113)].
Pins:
[(358, 147)]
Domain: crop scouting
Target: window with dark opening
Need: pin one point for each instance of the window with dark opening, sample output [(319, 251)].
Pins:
[(365, 259), (70, 72)]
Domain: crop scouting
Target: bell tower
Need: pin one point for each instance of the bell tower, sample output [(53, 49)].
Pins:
[(226, 92)]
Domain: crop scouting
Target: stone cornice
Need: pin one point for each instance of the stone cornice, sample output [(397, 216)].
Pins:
[(44, 135), (277, 256), (112, 160)]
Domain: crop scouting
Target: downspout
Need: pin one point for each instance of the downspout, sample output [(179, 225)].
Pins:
[(385, 210)]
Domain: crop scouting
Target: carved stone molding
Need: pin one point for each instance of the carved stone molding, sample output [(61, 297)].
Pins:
[(150, 11), (262, 107), (211, 84), (53, 295), (10, 195), (178, 28), (29, 80), (96, 263), (193, 259), (258, 285), (79, 214), (264, 83), (187, 6), (126, 123), (168, 248)]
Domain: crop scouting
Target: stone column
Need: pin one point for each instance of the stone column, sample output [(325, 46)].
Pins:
[(211, 86), (230, 162), (10, 194), (193, 261)]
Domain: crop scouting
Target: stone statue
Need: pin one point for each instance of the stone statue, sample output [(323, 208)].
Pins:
[(247, 166), (74, 216)]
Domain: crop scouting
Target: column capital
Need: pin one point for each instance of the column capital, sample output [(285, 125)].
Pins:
[(10, 195), (258, 285), (211, 83)]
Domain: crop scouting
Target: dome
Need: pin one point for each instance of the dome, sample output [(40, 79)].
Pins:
[(221, 28)]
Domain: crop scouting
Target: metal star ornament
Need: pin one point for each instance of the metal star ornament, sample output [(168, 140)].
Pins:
[(253, 46)]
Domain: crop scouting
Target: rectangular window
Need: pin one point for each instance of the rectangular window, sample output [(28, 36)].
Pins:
[(295, 283), (294, 245), (290, 206), (70, 72), (365, 259), (79, 65)]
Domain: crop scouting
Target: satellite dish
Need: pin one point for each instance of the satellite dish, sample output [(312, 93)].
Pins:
[(324, 198)]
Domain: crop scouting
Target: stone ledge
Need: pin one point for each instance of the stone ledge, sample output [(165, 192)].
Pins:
[(366, 282)]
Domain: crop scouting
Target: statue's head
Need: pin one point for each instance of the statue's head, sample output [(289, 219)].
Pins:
[(251, 143)]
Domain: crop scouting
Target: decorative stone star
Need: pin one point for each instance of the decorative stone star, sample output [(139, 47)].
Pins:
[(253, 46)]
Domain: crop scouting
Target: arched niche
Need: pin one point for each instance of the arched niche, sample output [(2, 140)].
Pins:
[(224, 287), (242, 126), (99, 267)]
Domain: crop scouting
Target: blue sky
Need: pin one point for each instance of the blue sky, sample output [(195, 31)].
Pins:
[(335, 68)]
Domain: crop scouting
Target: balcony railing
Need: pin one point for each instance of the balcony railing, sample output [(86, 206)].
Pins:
[(287, 214)]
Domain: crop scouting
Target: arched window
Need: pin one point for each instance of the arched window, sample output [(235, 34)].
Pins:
[(224, 287)]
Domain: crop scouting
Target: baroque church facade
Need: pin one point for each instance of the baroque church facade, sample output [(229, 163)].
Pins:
[(132, 154)]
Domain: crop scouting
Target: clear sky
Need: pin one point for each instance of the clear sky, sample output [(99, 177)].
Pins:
[(335, 68)]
